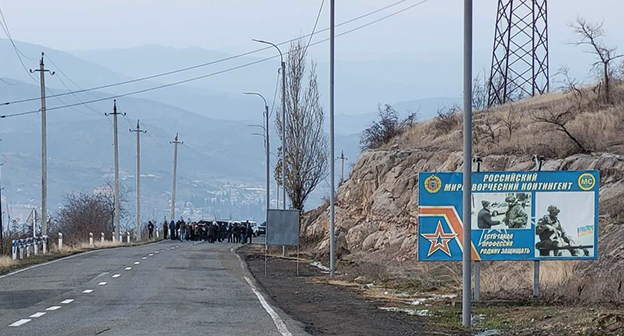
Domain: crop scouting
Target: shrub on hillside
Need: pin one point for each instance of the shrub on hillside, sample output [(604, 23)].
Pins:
[(388, 127), (447, 120)]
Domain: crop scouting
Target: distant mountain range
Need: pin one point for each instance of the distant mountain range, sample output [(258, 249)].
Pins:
[(221, 167)]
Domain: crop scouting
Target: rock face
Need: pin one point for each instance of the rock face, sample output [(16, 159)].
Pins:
[(377, 206)]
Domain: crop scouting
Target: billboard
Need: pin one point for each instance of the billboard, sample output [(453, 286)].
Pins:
[(550, 215), (283, 227)]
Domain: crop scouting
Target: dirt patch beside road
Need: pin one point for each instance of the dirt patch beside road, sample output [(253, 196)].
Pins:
[(331, 309)]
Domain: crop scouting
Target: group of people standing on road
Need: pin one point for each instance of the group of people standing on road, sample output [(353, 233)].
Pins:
[(208, 231)]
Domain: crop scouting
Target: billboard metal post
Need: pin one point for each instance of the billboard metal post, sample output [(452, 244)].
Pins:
[(539, 160), (477, 263)]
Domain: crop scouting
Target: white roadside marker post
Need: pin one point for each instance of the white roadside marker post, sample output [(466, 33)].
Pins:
[(102, 237), (14, 249), (60, 241), (91, 239)]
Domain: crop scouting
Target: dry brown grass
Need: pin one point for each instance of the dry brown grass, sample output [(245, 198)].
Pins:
[(6, 262), (597, 126)]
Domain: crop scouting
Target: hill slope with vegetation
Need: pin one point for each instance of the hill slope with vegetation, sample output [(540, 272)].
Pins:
[(377, 206)]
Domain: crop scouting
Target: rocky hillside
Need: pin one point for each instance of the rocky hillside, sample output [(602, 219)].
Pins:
[(377, 206)]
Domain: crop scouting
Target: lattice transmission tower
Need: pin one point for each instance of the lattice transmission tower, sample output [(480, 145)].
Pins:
[(520, 56)]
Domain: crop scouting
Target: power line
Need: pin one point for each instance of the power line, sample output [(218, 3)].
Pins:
[(69, 90), (318, 16), (219, 60), (68, 78), (5, 28), (275, 93), (217, 72)]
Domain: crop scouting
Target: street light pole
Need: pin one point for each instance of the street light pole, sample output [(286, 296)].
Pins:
[(268, 151), (283, 128), (283, 64), (467, 178)]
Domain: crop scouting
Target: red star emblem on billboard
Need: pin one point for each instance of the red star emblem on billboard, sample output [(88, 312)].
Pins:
[(439, 240)]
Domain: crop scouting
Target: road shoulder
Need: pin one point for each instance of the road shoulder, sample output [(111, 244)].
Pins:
[(326, 308)]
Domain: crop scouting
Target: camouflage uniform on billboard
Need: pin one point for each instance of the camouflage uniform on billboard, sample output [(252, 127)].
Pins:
[(515, 217), (551, 234)]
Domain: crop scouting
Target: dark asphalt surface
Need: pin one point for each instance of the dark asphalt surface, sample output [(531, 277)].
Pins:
[(193, 289)]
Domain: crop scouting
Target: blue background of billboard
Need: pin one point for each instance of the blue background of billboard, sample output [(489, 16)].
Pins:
[(522, 238)]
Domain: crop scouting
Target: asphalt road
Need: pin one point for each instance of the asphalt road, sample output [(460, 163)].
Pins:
[(168, 288)]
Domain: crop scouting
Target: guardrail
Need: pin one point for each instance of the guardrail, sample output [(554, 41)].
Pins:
[(28, 247)]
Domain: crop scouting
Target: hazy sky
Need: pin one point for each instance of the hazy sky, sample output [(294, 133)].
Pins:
[(229, 25), (426, 32)]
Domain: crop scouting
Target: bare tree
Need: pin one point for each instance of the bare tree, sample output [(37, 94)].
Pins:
[(485, 131), (306, 142), (106, 192), (571, 85), (83, 213), (591, 34), (511, 119), (559, 120), (383, 131), (480, 91)]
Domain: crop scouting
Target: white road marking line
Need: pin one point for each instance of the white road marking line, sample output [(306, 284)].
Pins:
[(173, 248), (279, 323), (19, 323), (177, 246), (60, 259), (128, 268), (47, 263), (53, 308), (87, 291), (39, 314), (281, 326), (150, 255), (116, 275), (137, 262), (144, 258), (156, 252), (103, 283), (67, 301)]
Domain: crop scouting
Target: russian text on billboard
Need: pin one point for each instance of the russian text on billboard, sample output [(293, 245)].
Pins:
[(515, 215)]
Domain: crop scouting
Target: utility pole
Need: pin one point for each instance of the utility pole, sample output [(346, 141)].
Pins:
[(138, 132), (342, 159), (44, 149), (332, 154), (175, 143), (116, 183), (467, 178)]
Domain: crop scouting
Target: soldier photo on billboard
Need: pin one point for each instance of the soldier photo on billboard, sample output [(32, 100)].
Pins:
[(552, 235), (515, 217)]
